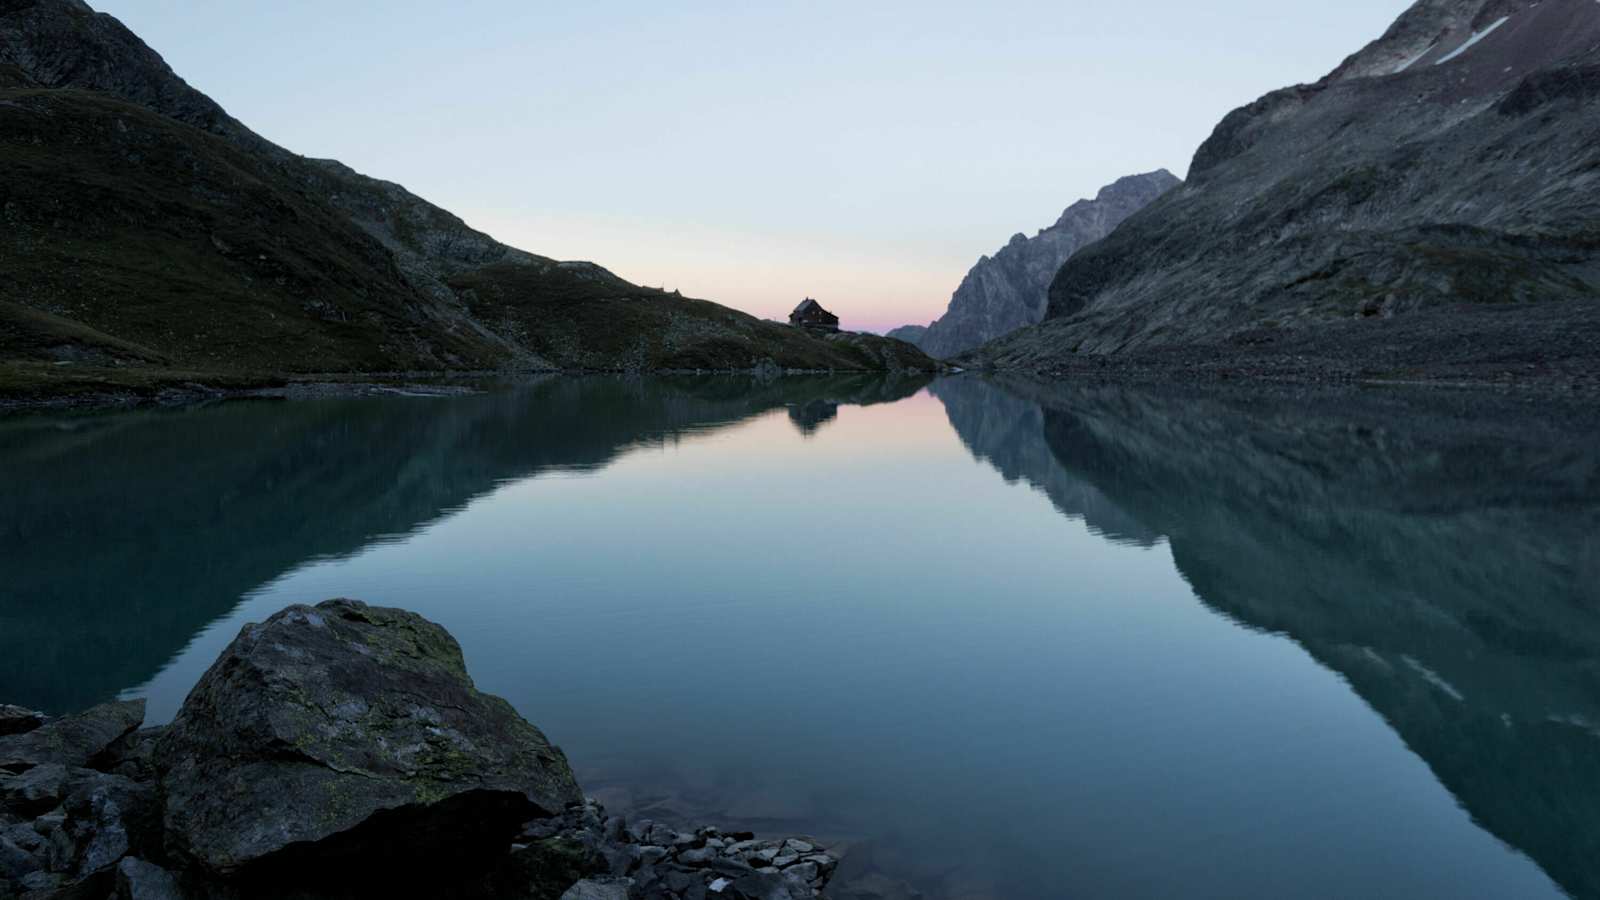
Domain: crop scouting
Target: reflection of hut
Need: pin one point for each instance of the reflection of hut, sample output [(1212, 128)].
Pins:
[(808, 417), (810, 314)]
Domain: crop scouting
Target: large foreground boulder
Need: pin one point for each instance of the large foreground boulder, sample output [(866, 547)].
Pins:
[(346, 734)]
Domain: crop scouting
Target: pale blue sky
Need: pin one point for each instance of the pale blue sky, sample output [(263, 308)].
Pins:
[(865, 153)]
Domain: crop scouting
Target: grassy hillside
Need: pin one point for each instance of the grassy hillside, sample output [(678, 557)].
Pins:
[(147, 239)]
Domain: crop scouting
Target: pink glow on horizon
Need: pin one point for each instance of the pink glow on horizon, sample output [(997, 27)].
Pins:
[(766, 275)]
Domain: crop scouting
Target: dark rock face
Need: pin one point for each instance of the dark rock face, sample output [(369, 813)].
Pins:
[(352, 725), (71, 741), (1007, 291), (64, 826), (1450, 166)]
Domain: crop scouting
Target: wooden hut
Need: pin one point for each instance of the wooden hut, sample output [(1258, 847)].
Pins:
[(810, 314)]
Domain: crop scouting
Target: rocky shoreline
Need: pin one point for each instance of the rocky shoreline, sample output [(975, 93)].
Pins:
[(1538, 347), (341, 751)]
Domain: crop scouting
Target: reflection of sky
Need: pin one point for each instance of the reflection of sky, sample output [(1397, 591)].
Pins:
[(890, 641)]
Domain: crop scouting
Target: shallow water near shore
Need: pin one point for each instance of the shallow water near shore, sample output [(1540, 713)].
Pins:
[(1007, 640)]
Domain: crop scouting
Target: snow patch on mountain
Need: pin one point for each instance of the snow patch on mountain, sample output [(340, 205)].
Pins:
[(1473, 41)]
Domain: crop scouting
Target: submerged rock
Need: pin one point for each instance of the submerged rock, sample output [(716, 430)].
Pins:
[(349, 732), (71, 741)]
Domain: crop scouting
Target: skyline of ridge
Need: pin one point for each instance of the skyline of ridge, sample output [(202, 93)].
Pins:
[(751, 157)]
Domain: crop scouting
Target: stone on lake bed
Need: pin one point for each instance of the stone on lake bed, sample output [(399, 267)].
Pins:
[(345, 731)]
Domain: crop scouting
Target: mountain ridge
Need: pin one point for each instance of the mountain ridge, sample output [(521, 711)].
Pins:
[(1007, 291), (1436, 187), (153, 237)]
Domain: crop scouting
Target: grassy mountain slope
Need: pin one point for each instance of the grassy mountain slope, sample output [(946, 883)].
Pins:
[(151, 238)]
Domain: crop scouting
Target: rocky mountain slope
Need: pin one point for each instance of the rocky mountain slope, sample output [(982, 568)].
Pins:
[(146, 230), (1007, 291), (1436, 197)]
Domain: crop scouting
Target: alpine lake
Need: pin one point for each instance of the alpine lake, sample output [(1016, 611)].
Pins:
[(1002, 639)]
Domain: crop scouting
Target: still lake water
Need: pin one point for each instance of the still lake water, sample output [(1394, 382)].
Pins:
[(1010, 641)]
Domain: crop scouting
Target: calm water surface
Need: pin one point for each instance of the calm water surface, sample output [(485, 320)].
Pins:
[(1009, 641)]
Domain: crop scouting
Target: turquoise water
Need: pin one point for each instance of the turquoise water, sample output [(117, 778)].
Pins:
[(1008, 641)]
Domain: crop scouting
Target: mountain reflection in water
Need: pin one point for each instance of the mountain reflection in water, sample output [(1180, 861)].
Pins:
[(1445, 562), (121, 535), (915, 659)]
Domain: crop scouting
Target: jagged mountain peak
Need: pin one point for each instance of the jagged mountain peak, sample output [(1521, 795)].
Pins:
[(67, 44), (1129, 190), (1007, 291), (1428, 26), (1445, 54)]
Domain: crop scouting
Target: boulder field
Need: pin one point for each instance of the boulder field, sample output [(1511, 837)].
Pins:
[(342, 751)]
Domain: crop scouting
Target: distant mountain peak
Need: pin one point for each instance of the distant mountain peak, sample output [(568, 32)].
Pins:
[(1007, 291)]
